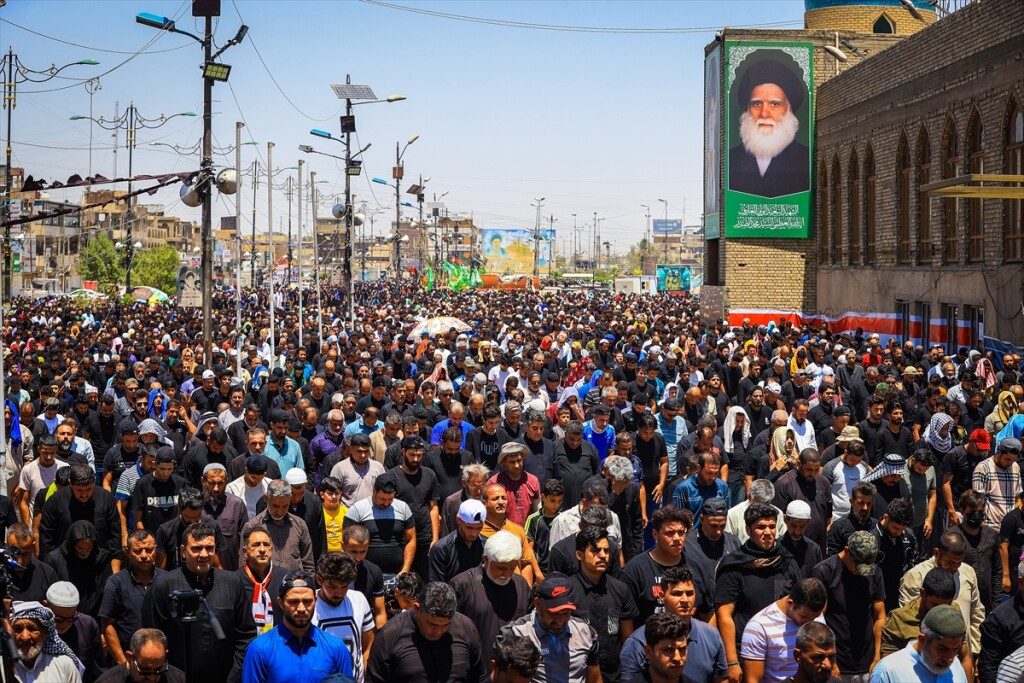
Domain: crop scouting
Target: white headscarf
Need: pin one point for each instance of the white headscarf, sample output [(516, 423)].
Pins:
[(729, 427)]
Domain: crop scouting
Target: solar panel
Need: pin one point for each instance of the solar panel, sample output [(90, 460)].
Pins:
[(348, 91)]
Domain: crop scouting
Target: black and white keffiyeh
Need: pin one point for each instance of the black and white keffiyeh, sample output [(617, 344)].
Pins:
[(53, 645)]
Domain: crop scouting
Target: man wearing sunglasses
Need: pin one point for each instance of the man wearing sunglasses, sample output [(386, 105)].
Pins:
[(146, 661)]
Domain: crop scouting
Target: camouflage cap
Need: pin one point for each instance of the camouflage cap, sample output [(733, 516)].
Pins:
[(863, 547)]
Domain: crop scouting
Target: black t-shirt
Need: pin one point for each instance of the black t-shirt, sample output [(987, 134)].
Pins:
[(563, 557), (650, 454), (644, 578), (603, 605), (1011, 530), (418, 490), (886, 441), (447, 469), (959, 464), (32, 583), (751, 590), (851, 612), (369, 581), (760, 420), (117, 461), (156, 502)]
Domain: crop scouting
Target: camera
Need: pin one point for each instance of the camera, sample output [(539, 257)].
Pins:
[(186, 606)]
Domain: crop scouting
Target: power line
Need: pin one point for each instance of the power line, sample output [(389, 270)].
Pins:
[(563, 27), (91, 48)]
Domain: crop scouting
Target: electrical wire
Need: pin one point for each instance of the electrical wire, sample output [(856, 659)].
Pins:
[(507, 23), (133, 55), (273, 79), (87, 47)]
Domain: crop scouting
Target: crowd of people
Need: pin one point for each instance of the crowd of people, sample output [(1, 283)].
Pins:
[(582, 487)]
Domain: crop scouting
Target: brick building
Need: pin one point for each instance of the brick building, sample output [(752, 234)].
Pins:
[(917, 99), (940, 104)]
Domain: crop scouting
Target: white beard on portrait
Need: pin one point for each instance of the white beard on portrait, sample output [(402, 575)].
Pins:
[(764, 138)]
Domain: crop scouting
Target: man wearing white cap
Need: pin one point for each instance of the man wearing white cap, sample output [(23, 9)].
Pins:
[(462, 549), (806, 552), (307, 506), (79, 631)]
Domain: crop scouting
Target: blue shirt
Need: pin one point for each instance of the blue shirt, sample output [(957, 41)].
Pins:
[(705, 654), (287, 455), (357, 427), (906, 665), (438, 430), (673, 433), (691, 495), (277, 656), (604, 441)]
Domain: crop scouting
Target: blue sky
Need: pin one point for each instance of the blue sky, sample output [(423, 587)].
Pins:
[(594, 121)]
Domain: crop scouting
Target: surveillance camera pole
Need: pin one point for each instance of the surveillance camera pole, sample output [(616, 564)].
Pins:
[(206, 169)]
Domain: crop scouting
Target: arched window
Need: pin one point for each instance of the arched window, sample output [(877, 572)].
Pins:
[(1013, 164), (837, 213), (904, 170), (950, 169), (853, 202), (975, 210), (924, 169), (823, 214), (883, 25), (869, 206)]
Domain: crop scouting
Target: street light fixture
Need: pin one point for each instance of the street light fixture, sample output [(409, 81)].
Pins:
[(206, 176), (131, 121), (18, 73), (349, 91)]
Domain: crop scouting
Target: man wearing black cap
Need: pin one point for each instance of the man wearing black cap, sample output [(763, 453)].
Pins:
[(769, 161), (568, 645)]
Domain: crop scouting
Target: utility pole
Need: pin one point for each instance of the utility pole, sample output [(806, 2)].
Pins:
[(536, 240), (206, 170), (551, 244), (316, 261), (270, 249), (299, 206), (291, 254), (238, 250)]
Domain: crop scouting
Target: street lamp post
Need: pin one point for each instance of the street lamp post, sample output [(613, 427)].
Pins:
[(19, 73), (131, 121), (665, 236), (270, 248), (536, 240), (348, 91), (212, 71), (397, 173)]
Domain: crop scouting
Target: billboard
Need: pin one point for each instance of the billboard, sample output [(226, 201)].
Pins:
[(674, 280), (509, 251), (769, 136), (712, 142), (661, 226), (190, 293)]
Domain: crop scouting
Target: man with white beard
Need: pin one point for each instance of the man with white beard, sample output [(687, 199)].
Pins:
[(770, 162)]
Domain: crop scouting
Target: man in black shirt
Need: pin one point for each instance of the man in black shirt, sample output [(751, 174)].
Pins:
[(493, 595), (447, 460), (84, 501), (759, 416), (862, 500), (485, 442), (212, 659), (31, 582), (121, 609), (355, 541), (577, 460), (540, 461), (895, 438), (875, 422), (958, 470), (148, 652), (122, 456), (856, 602), (155, 497), (462, 549), (418, 488)]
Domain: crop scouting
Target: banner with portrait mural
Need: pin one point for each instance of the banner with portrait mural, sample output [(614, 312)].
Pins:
[(509, 251), (769, 124), (712, 142), (674, 280)]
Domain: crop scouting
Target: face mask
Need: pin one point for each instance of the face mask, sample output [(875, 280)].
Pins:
[(976, 519)]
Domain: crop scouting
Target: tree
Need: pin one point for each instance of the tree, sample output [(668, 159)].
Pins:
[(99, 261), (157, 267), (636, 254)]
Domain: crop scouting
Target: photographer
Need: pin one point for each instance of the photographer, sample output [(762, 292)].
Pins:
[(174, 604)]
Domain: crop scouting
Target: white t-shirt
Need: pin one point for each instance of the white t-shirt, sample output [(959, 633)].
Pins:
[(841, 480), (770, 638), (348, 621), (250, 494), (34, 478)]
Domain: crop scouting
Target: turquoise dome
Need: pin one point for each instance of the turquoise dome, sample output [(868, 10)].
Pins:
[(822, 4)]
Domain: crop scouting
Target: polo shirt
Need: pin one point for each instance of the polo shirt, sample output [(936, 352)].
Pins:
[(286, 455), (691, 494), (705, 653), (906, 665), (278, 656), (521, 492), (122, 601)]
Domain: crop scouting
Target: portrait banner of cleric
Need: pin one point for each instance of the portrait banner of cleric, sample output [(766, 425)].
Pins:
[(769, 161)]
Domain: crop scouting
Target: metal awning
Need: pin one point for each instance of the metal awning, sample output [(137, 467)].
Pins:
[(964, 187)]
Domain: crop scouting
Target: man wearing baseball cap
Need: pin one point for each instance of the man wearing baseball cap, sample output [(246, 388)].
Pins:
[(998, 477), (462, 549), (958, 470), (568, 645), (856, 602), (933, 656)]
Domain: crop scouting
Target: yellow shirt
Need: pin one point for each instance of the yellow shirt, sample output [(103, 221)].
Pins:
[(333, 522)]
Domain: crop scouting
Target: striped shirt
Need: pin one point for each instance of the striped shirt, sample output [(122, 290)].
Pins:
[(1011, 669), (1000, 486), (127, 481), (770, 638)]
